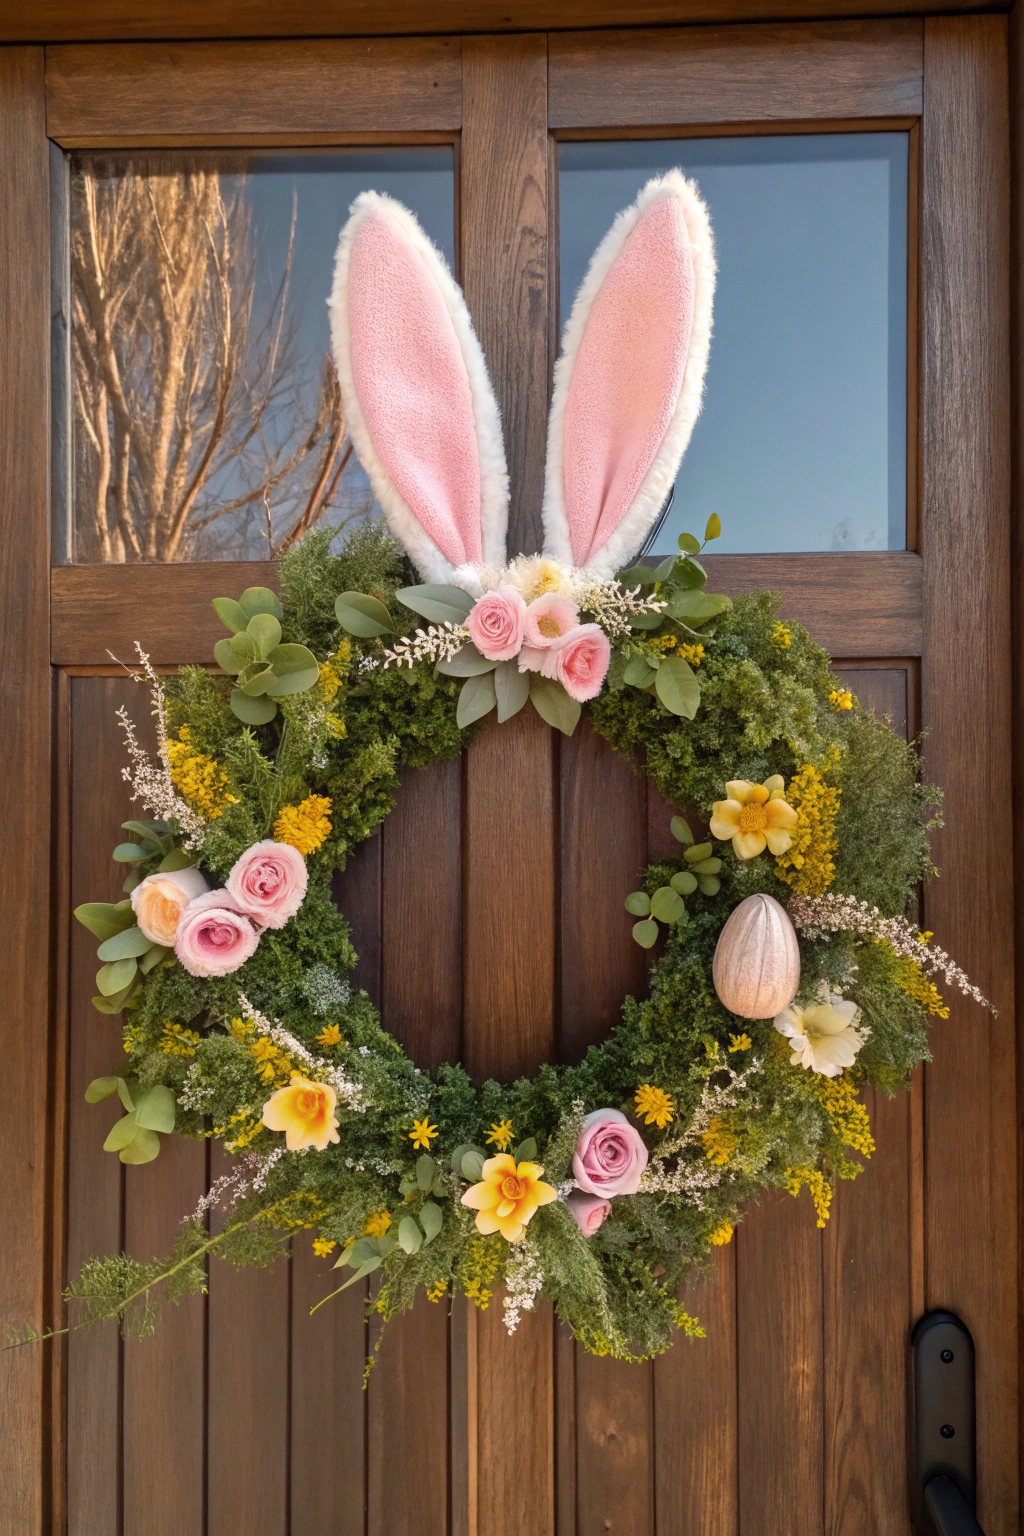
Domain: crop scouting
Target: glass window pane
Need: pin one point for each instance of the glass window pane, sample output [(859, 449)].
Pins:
[(206, 418), (801, 444)]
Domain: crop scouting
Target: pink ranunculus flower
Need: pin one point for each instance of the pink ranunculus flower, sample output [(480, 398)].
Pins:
[(214, 935), (159, 900), (496, 623), (581, 661), (549, 619), (268, 881), (588, 1211), (610, 1155)]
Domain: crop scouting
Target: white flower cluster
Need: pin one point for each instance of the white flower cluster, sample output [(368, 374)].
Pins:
[(351, 1093), (524, 1280), (612, 605), (323, 991), (153, 786), (691, 1179), (440, 642), (819, 915)]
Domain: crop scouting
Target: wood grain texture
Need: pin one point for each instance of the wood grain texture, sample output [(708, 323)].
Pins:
[(882, 690), (504, 239), (735, 74), (133, 90), (970, 1157), (26, 767)]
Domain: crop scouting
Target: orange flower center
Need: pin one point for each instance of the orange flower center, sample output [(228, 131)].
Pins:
[(753, 818), (512, 1188), (549, 628), (307, 1103)]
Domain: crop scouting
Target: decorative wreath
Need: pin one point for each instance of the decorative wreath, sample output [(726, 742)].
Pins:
[(791, 973)]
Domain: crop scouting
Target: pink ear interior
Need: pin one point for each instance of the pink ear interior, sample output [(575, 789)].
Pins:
[(627, 376), (413, 387)]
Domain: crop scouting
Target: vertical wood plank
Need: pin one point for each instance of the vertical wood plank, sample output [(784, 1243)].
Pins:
[(970, 1156), (26, 766)]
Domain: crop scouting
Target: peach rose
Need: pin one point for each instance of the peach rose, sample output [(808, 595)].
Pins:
[(549, 619), (581, 661), (496, 623), (589, 1212), (159, 900), (268, 881), (214, 936), (305, 1112), (610, 1155)]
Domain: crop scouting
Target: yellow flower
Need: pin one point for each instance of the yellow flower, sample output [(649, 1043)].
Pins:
[(694, 654), (422, 1133), (330, 1035), (654, 1105), (719, 1142), (847, 1116), (807, 864), (271, 1061), (377, 1224), (500, 1135), (322, 1246), (721, 1235), (663, 643), (507, 1197), (754, 815), (305, 1112), (306, 826), (178, 1041), (782, 636), (199, 778), (841, 698), (437, 1290), (910, 979), (740, 1042), (820, 1188)]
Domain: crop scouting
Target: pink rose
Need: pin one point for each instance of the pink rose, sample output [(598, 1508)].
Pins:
[(588, 1211), (269, 882), (549, 619), (610, 1155), (496, 623), (214, 936), (159, 900), (581, 662)]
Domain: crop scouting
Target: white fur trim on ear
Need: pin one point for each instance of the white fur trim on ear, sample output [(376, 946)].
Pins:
[(629, 536), (419, 546)]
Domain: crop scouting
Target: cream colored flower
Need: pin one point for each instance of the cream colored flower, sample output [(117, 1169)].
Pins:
[(824, 1037), (534, 576), (754, 816)]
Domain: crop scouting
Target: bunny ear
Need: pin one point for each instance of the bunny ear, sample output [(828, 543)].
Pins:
[(418, 403), (629, 382)]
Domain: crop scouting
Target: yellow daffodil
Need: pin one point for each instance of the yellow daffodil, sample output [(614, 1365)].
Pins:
[(305, 1112), (754, 816), (500, 1135), (422, 1133), (507, 1196), (654, 1106)]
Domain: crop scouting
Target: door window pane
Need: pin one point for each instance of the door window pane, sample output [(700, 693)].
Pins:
[(206, 422), (801, 444)]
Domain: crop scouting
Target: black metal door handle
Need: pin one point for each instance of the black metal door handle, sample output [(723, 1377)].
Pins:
[(944, 1481), (950, 1512)]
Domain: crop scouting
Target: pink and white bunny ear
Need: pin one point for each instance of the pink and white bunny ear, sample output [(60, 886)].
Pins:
[(628, 385), (418, 402)]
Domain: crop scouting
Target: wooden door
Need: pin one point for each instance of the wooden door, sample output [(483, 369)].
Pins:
[(244, 1413)]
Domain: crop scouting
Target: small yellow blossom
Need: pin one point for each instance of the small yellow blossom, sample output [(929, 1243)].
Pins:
[(178, 1041), (740, 1042), (754, 816), (306, 826), (820, 1188), (479, 1270), (847, 1115), (437, 1290), (719, 1141), (694, 654), (377, 1224), (422, 1133), (654, 1105), (271, 1061), (841, 698), (663, 643), (721, 1235), (199, 778), (507, 1197), (239, 1131), (782, 636), (500, 1135), (322, 1246), (330, 1035), (911, 979), (807, 863)]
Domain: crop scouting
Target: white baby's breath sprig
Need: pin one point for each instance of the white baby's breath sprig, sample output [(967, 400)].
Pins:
[(153, 785), (612, 605), (524, 1280), (326, 1071), (440, 642)]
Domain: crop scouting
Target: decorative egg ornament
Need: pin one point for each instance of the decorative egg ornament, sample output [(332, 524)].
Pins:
[(756, 968)]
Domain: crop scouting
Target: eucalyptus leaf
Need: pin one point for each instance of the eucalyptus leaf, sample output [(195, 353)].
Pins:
[(689, 574), (115, 977), (426, 1168), (295, 670), (713, 528), (121, 1133), (466, 663), (667, 905), (410, 1237), (175, 860), (698, 853), (663, 571), (129, 944), (99, 1089), (155, 1109), (143, 1147), (688, 544), (681, 830), (124, 1092), (361, 1273), (646, 933), (133, 878), (647, 620), (131, 853), (697, 607), (258, 683), (115, 1003), (638, 903), (146, 831), (227, 657), (553, 704), (707, 867), (710, 885), (230, 613), (639, 673), (459, 1154), (431, 1220), (636, 576), (252, 711), (103, 919), (677, 687), (439, 604), (472, 1166), (362, 615), (154, 954), (526, 1150), (265, 632), (364, 1249), (256, 600), (512, 689), (684, 882), (477, 698)]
